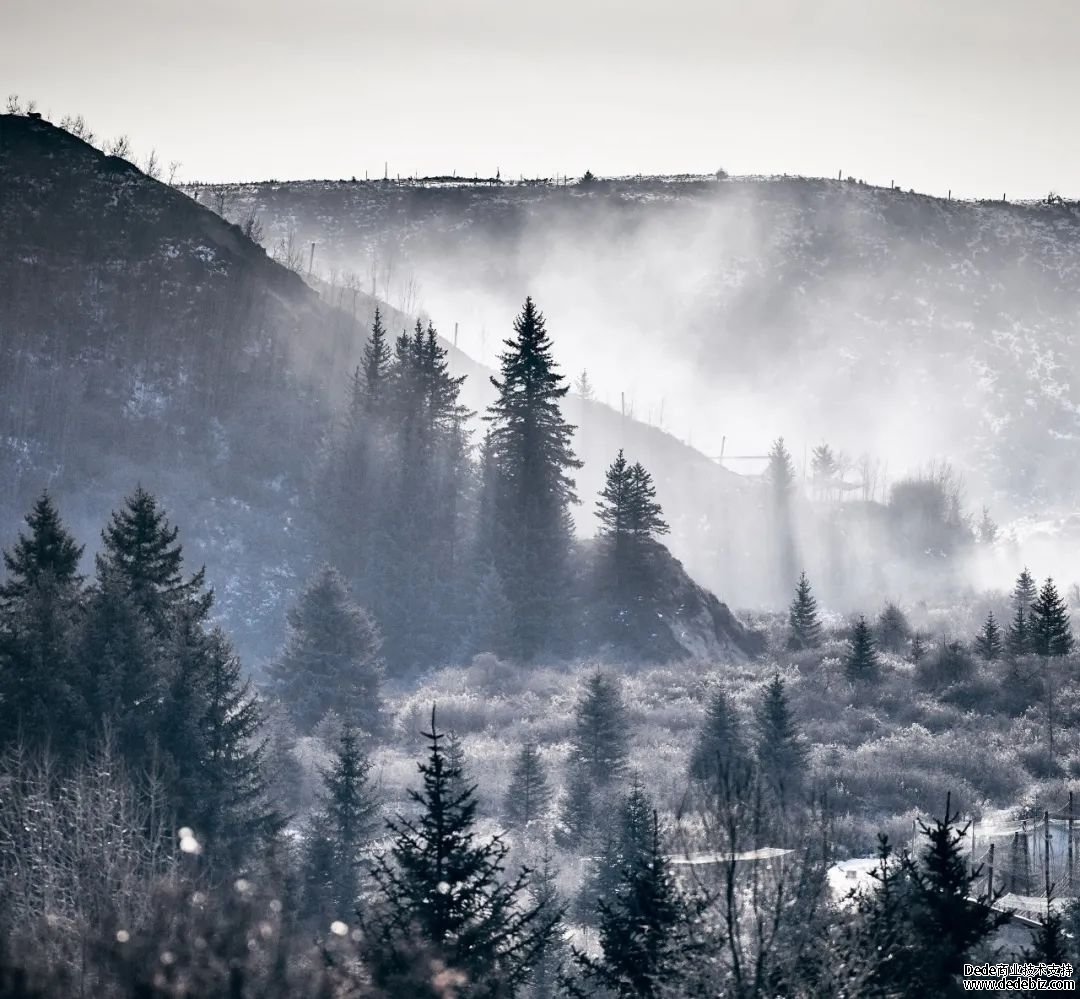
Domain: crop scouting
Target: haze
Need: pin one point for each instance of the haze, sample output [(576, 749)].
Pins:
[(961, 97)]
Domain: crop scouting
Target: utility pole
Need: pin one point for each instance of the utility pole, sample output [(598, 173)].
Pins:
[(311, 259), (455, 336), (1046, 856)]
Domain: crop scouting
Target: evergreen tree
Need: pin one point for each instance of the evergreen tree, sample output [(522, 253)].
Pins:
[(1018, 637), (1052, 943), (918, 648), (577, 817), (234, 807), (781, 755), (141, 553), (645, 516), (644, 933), (892, 628), (1026, 589), (376, 365), (947, 925), (803, 617), (613, 506), (988, 530), (529, 795), (861, 664), (553, 957), (443, 885), (780, 476), (601, 743), (1018, 634), (583, 386), (530, 448), (720, 750), (41, 687), (988, 644), (331, 657), (344, 823), (47, 555), (1049, 629), (625, 844), (491, 627)]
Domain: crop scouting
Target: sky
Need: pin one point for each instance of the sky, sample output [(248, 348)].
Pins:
[(972, 96)]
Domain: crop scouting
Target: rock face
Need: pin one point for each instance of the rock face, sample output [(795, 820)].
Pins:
[(679, 620)]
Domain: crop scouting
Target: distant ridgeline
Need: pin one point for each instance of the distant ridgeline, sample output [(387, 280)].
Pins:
[(144, 339)]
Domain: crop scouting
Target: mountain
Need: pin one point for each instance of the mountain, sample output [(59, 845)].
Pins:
[(883, 321), (145, 339)]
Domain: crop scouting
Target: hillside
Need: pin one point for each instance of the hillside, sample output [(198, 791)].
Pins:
[(144, 339), (884, 321)]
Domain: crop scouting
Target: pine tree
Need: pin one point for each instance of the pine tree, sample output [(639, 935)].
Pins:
[(918, 648), (583, 386), (644, 933), (781, 755), (613, 506), (803, 617), (861, 664), (442, 884), (529, 795), (530, 448), (344, 824), (988, 643), (42, 697), (720, 751), (141, 552), (331, 657), (988, 531), (601, 744), (892, 628), (780, 472), (1050, 631)]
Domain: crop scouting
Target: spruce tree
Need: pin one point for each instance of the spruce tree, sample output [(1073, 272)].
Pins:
[(861, 663), (1018, 633), (988, 643), (529, 795), (443, 885), (892, 628), (1050, 631), (141, 552), (918, 648), (645, 516), (803, 617), (780, 477), (530, 448), (1026, 589), (781, 755), (600, 743), (42, 696), (720, 751), (613, 506), (376, 365), (491, 625), (578, 814), (234, 806), (553, 957), (644, 933), (331, 657), (625, 844), (345, 822), (948, 927)]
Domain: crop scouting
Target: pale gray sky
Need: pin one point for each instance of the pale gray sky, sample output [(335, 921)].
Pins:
[(973, 95)]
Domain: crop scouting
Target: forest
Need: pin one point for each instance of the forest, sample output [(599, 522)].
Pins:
[(434, 720)]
